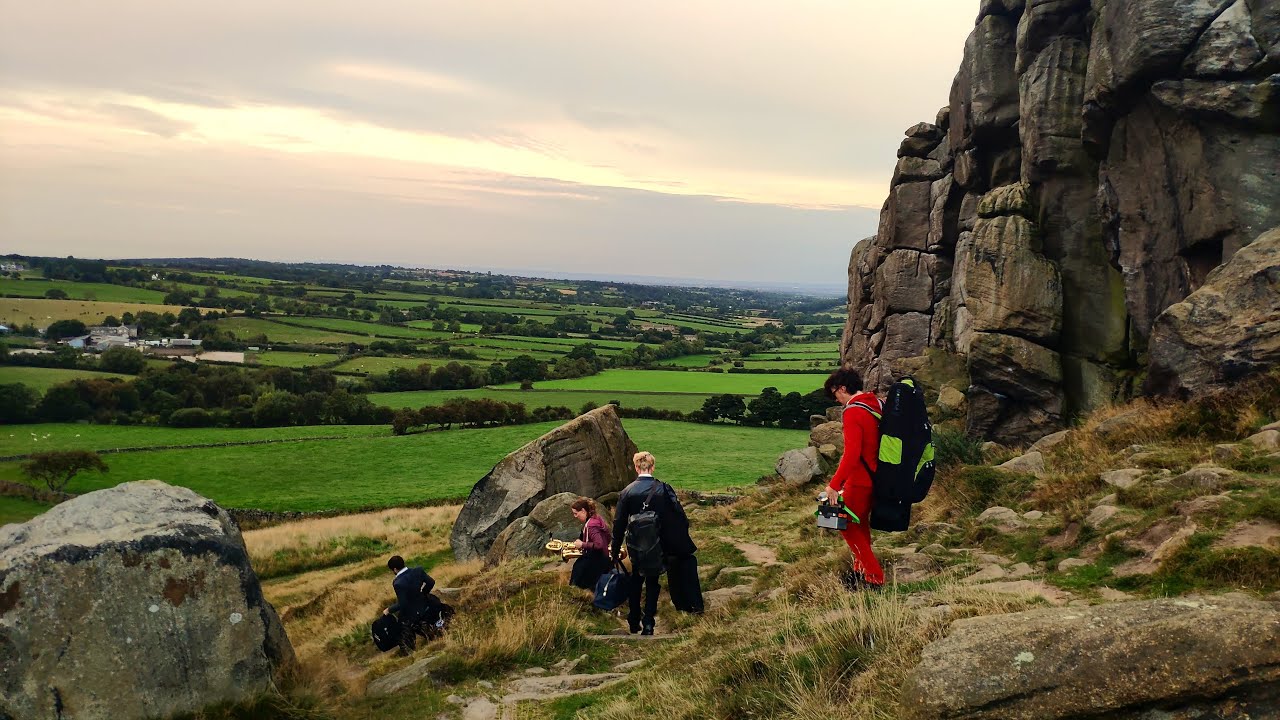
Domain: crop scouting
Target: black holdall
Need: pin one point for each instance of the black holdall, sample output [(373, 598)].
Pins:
[(611, 589), (386, 632)]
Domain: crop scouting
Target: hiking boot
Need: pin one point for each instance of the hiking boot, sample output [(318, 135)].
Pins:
[(648, 630), (634, 627), (854, 581)]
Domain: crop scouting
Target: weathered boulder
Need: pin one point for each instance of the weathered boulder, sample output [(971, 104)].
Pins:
[(588, 456), (133, 602), (1225, 331), (801, 466), (828, 433), (1027, 665), (950, 400), (1031, 462), (527, 536)]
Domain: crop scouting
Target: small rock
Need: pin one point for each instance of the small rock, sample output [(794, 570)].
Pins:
[(716, 599), (1078, 603), (1132, 450), (990, 447), (913, 567), (1048, 442), (774, 594), (1272, 426), (394, 682), (829, 451), (1110, 595), (1032, 515), (950, 400), (1142, 457), (1032, 463), (485, 684), (800, 466), (1265, 440), (1071, 564), (480, 709), (1123, 479), (1205, 477), (1101, 515), (455, 700), (937, 612), (629, 666), (934, 549), (535, 671), (1002, 517), (1225, 452), (1036, 588), (1201, 505), (735, 570), (1109, 499), (1021, 570), (988, 573)]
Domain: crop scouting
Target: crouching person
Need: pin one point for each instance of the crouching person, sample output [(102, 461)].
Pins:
[(594, 543), (413, 587)]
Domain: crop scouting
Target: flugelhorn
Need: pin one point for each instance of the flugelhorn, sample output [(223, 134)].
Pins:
[(566, 549)]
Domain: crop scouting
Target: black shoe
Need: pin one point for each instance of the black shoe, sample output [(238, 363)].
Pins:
[(634, 627), (648, 630)]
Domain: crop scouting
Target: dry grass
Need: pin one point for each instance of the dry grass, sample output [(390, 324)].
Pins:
[(828, 654)]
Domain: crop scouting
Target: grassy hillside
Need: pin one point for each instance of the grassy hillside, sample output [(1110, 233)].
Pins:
[(41, 379), (782, 638)]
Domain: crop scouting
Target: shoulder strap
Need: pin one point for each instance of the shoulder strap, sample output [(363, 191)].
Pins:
[(657, 485), (868, 408)]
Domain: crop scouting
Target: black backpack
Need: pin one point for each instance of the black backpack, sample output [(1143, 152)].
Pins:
[(386, 632), (904, 464), (644, 541)]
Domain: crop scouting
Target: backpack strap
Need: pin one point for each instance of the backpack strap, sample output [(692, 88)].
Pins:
[(870, 473), (657, 485)]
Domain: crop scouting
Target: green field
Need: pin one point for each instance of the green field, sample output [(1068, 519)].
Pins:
[(384, 365), (16, 439), (246, 327), (16, 510), (686, 382), (572, 399), (41, 312), (386, 471), (282, 358), (41, 379), (80, 291), (368, 329), (690, 361)]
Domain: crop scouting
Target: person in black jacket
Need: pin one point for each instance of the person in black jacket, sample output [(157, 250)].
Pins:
[(673, 533), (411, 586)]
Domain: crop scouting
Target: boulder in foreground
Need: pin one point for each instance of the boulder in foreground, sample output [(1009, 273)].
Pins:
[(1180, 656), (133, 602)]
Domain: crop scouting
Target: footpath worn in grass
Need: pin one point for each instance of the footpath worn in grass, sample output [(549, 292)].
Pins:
[(690, 382), (41, 379), (372, 468)]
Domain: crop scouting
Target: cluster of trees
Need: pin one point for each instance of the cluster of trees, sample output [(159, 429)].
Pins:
[(476, 413), (186, 395), (770, 409)]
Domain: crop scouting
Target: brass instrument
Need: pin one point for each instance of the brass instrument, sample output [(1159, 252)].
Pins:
[(566, 549)]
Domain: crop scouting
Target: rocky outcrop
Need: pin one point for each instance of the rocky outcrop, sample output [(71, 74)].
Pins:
[(801, 466), (528, 536), (1096, 162), (590, 456), (1226, 330), (133, 602), (1174, 657)]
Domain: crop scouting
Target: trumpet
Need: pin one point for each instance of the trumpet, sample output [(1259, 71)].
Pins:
[(566, 549)]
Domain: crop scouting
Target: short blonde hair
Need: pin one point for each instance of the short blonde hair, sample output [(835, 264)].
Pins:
[(643, 460)]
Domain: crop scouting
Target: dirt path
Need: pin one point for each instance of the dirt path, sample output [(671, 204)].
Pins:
[(755, 554)]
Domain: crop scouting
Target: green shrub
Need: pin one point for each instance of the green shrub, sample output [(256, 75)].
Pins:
[(1230, 414), (978, 487), (954, 447)]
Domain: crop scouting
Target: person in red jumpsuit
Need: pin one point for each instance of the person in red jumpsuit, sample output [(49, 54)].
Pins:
[(851, 484)]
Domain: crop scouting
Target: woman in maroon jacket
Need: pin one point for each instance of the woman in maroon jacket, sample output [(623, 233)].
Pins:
[(851, 485), (594, 542)]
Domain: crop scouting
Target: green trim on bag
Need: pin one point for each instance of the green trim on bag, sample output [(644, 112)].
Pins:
[(890, 449), (925, 457)]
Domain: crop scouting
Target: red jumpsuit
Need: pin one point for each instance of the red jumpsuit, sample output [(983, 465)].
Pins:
[(861, 440)]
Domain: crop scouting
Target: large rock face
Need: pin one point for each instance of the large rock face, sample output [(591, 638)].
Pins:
[(1175, 657), (1097, 161), (1228, 329), (132, 602), (590, 456)]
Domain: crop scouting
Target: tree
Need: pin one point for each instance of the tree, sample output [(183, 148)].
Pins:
[(526, 367), (17, 403), (403, 420), (122, 360), (55, 469), (64, 329), (56, 294)]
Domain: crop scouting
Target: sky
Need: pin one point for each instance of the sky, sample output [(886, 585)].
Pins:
[(722, 140)]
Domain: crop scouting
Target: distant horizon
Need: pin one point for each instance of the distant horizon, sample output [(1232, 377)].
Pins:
[(815, 289), (704, 142)]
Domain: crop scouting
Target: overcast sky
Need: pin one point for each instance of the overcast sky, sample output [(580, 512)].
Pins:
[(714, 139)]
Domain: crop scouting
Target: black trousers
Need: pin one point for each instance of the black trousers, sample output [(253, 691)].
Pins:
[(588, 569), (648, 585), (410, 628)]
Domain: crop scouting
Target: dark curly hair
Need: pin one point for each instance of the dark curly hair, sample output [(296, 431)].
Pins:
[(847, 378)]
